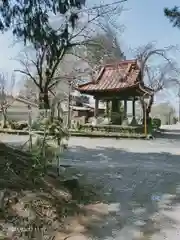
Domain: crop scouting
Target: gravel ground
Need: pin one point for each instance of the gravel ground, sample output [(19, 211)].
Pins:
[(140, 180), (14, 140)]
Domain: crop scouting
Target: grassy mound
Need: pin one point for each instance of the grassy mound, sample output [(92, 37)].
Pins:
[(34, 204)]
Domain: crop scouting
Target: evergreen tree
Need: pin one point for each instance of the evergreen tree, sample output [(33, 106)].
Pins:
[(174, 15), (31, 21)]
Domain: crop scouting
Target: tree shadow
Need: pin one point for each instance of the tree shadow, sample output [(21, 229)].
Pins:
[(34, 203), (172, 130), (168, 134), (138, 181)]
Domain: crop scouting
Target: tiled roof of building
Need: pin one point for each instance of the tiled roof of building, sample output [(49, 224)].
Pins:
[(114, 77)]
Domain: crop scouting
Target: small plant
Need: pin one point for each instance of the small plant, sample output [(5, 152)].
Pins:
[(53, 131), (22, 125), (156, 123), (43, 155), (18, 125), (36, 125), (175, 120)]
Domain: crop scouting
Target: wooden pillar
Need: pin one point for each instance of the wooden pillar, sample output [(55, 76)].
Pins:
[(96, 108), (115, 112), (134, 122), (107, 108), (133, 109), (125, 119), (125, 109)]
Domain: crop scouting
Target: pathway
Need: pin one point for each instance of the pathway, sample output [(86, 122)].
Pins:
[(139, 178)]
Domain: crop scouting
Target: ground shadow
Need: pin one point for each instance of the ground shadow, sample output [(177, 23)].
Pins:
[(169, 134), (135, 180), (171, 131), (33, 201)]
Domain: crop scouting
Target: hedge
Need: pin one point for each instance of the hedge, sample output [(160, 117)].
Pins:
[(111, 129)]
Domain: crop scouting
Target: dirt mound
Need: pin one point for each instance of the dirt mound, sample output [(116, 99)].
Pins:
[(35, 205)]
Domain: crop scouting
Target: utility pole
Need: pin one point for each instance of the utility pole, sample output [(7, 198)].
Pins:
[(30, 127), (69, 103)]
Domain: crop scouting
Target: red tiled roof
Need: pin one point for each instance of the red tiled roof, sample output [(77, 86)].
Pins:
[(114, 77)]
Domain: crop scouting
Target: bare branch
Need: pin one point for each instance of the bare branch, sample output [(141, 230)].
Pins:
[(6, 94), (155, 76), (48, 58), (28, 75)]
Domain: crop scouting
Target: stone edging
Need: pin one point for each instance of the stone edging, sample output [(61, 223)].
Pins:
[(80, 134)]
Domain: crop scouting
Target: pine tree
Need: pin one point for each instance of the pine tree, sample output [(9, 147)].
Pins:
[(174, 15), (31, 21)]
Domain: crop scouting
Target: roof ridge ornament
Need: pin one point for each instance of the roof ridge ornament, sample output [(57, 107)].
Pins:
[(99, 75)]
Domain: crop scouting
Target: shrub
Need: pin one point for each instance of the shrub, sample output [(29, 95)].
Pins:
[(39, 124), (18, 125), (175, 120), (55, 128), (111, 128), (22, 125), (13, 125), (36, 125), (156, 123)]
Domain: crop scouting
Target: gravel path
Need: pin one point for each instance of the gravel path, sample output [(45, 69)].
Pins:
[(140, 179), (14, 140)]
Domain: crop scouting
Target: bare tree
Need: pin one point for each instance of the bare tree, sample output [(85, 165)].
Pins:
[(68, 72), (6, 95), (156, 76), (107, 48), (29, 90), (165, 111), (41, 68)]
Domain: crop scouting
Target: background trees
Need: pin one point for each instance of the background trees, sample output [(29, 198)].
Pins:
[(51, 30), (164, 111), (6, 95), (107, 48), (31, 21), (173, 14), (157, 70), (53, 74)]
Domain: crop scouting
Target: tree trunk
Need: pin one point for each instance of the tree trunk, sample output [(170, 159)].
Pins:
[(52, 114), (44, 100), (147, 108), (4, 113)]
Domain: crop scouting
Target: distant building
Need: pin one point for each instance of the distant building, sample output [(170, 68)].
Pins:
[(18, 109), (165, 112)]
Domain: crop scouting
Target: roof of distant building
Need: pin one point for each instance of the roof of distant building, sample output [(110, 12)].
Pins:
[(115, 78)]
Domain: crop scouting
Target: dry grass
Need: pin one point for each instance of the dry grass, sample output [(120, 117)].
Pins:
[(38, 206)]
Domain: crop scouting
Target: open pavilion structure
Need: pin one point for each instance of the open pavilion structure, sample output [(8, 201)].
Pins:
[(115, 83)]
